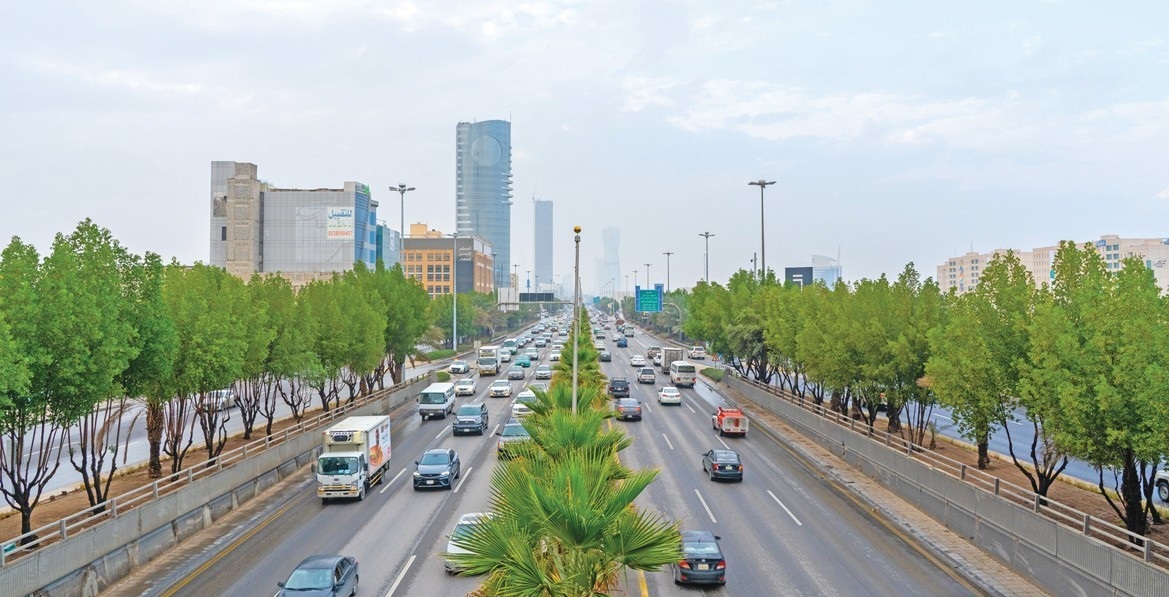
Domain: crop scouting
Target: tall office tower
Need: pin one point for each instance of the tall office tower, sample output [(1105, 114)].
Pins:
[(826, 269), (543, 250), (611, 264), (483, 188)]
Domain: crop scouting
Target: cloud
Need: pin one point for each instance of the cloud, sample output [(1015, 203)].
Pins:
[(1164, 194), (133, 79), (643, 92)]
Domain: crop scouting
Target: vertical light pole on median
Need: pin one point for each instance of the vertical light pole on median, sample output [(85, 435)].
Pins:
[(455, 293), (706, 255), (762, 184), (402, 188), (648, 284), (576, 319), (667, 254)]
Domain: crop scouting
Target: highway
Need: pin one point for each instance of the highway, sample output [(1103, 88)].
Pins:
[(784, 530)]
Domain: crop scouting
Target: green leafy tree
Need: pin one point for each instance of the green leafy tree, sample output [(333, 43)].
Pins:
[(406, 317), (294, 358), (363, 314), (255, 389)]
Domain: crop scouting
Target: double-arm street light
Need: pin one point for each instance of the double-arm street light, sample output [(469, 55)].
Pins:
[(706, 255), (667, 254), (402, 188), (762, 184)]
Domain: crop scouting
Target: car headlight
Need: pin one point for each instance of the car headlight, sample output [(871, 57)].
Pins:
[(416, 474), (445, 474), (353, 485)]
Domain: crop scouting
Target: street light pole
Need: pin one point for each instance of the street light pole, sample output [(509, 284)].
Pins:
[(402, 188), (576, 319), (647, 282), (762, 184), (706, 255), (667, 254), (455, 293)]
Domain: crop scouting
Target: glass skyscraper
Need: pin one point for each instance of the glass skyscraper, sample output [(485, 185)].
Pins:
[(483, 188), (543, 247)]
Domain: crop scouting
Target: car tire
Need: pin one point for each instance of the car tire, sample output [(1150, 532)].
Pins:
[(710, 474), (361, 493), (1163, 490)]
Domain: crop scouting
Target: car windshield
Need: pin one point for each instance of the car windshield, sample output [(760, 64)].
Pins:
[(462, 531), (724, 456), (433, 398), (313, 578), (497, 385), (700, 548), (435, 458), (337, 465), (514, 431), (526, 398), (469, 411)]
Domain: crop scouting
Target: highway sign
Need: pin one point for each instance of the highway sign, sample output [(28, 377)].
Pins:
[(649, 300)]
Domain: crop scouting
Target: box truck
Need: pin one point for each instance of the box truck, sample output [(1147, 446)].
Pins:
[(354, 458), (669, 355)]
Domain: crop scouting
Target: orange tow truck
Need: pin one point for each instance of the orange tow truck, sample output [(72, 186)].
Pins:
[(729, 421)]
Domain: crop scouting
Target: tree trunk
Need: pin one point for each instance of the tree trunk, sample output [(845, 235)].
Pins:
[(1130, 491), (983, 453), (154, 425), (894, 415)]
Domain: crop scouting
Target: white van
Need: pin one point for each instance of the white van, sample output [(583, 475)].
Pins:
[(437, 400), (682, 374)]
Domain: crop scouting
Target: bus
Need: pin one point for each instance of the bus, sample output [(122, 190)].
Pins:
[(489, 360), (682, 374)]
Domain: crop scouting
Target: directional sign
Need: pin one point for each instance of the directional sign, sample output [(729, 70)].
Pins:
[(537, 297), (649, 301)]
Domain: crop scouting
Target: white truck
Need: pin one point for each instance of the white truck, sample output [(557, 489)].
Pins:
[(355, 457), (669, 355)]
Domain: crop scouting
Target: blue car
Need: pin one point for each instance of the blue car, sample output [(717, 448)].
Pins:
[(523, 361), (622, 343)]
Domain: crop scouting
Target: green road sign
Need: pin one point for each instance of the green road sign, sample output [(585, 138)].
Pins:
[(649, 300)]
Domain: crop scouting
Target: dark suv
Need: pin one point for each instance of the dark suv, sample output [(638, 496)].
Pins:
[(619, 387), (471, 418)]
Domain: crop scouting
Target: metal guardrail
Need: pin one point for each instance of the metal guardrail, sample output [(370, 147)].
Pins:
[(82, 521), (1116, 537)]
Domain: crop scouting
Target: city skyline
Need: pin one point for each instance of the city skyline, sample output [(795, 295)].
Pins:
[(894, 135)]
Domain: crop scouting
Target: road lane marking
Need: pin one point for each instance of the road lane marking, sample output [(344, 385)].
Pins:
[(646, 405), (668, 441), (383, 490), (397, 581), (463, 477), (720, 440), (708, 512), (441, 433), (691, 409), (494, 429), (781, 505), (943, 417), (641, 583)]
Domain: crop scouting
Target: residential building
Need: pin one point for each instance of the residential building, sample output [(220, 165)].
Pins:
[(428, 256), (962, 273), (483, 188), (543, 248), (302, 234)]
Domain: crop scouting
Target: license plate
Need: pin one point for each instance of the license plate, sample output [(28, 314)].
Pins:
[(727, 467), (430, 482), (704, 566)]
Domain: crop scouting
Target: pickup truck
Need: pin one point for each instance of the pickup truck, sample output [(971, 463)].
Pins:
[(619, 387), (729, 421)]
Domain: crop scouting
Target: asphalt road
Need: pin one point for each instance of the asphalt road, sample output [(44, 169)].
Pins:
[(784, 530)]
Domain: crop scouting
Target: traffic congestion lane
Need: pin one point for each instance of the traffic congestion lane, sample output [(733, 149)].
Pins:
[(778, 523)]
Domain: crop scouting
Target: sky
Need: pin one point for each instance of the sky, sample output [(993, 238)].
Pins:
[(896, 131)]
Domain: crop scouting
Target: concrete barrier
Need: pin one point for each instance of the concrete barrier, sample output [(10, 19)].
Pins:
[(136, 536), (1060, 559)]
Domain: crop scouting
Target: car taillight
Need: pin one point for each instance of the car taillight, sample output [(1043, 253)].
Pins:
[(684, 564), (721, 565), (740, 468)]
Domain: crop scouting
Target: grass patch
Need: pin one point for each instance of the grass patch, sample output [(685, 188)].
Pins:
[(714, 373), (438, 355), (442, 376)]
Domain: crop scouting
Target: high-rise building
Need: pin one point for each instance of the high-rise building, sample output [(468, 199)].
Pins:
[(610, 270), (826, 269), (300, 233), (962, 273), (543, 248), (483, 188)]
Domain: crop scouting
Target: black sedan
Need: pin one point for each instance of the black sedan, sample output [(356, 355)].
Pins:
[(438, 468), (722, 464), (702, 560), (605, 356), (628, 409), (322, 576)]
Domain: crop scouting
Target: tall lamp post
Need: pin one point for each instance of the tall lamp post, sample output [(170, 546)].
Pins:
[(575, 318), (402, 188), (455, 293), (762, 184), (667, 254), (706, 255), (647, 282)]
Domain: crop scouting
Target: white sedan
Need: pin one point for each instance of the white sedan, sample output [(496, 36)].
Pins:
[(637, 361), (465, 387), (554, 356), (499, 389), (669, 395)]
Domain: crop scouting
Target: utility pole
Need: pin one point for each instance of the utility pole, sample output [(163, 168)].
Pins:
[(402, 188), (706, 255), (667, 254), (762, 184)]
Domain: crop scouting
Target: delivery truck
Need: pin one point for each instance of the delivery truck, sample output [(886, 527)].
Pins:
[(729, 421), (669, 355), (354, 458)]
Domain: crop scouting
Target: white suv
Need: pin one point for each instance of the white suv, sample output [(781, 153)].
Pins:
[(698, 352)]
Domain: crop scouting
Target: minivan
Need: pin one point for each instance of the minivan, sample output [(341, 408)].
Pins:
[(437, 400)]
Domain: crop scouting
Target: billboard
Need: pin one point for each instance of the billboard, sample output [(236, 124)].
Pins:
[(340, 223)]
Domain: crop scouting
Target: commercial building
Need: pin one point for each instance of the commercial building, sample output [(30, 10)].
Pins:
[(428, 257), (303, 234), (963, 272), (827, 270), (609, 272), (543, 247), (483, 189)]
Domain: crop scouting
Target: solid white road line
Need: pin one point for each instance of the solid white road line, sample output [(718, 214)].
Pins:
[(668, 441), (462, 478), (708, 512), (400, 473), (442, 433), (646, 405), (397, 581), (720, 440), (781, 505), (691, 409)]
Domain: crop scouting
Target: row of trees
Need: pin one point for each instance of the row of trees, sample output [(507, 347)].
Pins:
[(91, 330), (1083, 361), (565, 522)]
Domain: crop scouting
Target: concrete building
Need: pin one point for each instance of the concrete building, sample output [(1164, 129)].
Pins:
[(303, 234), (428, 257), (543, 247), (483, 188), (962, 273)]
